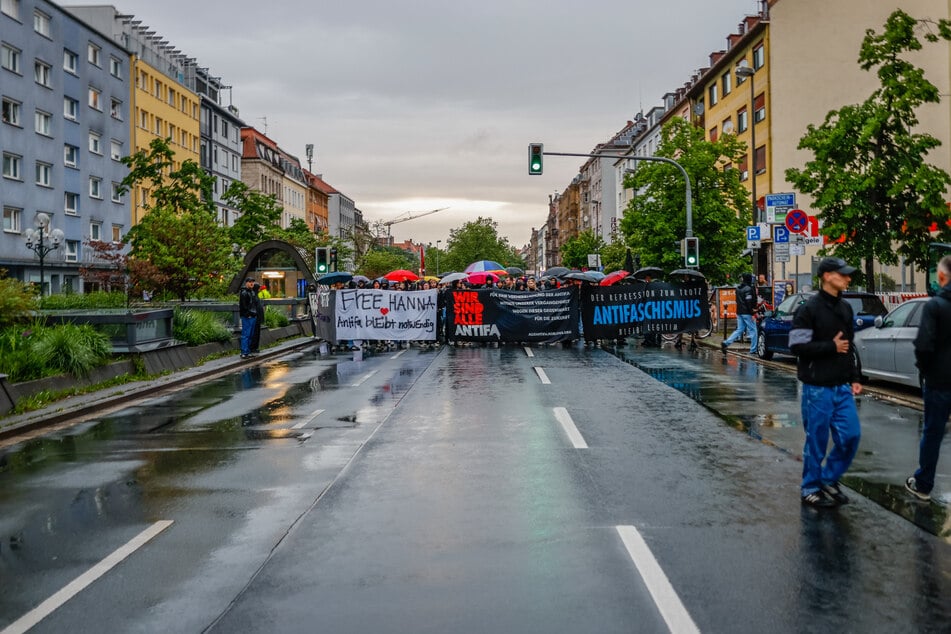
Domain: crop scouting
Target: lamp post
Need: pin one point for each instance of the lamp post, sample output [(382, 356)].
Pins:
[(42, 241), (438, 242), (747, 72)]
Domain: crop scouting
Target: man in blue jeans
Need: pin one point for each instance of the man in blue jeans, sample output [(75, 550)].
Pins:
[(821, 338), (933, 358), (745, 307), (248, 310)]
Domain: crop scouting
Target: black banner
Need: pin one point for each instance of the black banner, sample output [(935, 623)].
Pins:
[(615, 311), (498, 315)]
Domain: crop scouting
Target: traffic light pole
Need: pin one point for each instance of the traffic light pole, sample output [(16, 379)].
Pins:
[(659, 159)]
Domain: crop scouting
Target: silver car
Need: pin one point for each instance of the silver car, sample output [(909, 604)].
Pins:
[(887, 351)]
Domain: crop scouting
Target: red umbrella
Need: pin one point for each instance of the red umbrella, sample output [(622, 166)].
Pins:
[(401, 275), (614, 278), (480, 278)]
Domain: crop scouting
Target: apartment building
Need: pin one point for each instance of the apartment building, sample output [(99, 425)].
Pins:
[(65, 89), (220, 142)]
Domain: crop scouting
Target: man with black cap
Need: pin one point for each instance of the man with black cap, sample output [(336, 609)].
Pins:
[(821, 338), (248, 310), (745, 307)]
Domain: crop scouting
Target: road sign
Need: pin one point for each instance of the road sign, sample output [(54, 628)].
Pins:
[(781, 252), (753, 244), (777, 205), (797, 249), (753, 233), (780, 235), (797, 221)]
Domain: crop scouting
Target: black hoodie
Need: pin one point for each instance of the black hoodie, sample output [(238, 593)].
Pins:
[(814, 327), (933, 343)]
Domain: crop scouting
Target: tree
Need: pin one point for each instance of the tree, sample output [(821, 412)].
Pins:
[(613, 255), (574, 252), (260, 215), (655, 221), (17, 301), (381, 261), (869, 177), (300, 235), (478, 240), (185, 249)]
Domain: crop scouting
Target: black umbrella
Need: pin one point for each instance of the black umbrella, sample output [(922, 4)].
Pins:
[(556, 271), (688, 274), (648, 271), (514, 270), (580, 275), (335, 277)]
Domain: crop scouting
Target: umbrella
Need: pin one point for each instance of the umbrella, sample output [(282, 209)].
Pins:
[(361, 278), (514, 270), (583, 276), (430, 278), (598, 275), (648, 271), (484, 265), (334, 278), (482, 277), (687, 275), (555, 271), (452, 277), (401, 275), (613, 278)]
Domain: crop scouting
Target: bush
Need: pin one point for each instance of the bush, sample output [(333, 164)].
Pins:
[(16, 300), (39, 351), (80, 301), (274, 318), (196, 327)]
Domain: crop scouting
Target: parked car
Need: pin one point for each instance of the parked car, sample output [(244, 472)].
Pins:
[(887, 351), (775, 325)]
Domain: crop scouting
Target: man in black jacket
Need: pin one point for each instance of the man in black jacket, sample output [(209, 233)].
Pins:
[(821, 338), (933, 358), (745, 307)]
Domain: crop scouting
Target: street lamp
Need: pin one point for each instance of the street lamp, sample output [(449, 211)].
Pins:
[(42, 241), (438, 242), (747, 72)]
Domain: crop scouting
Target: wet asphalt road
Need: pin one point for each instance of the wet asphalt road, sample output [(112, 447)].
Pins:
[(441, 491)]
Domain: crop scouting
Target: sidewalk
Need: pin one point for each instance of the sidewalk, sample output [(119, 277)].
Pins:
[(97, 401)]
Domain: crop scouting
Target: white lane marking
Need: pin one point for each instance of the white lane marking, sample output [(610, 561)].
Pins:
[(528, 351), (397, 355), (577, 440), (81, 582), (364, 378), (665, 597), (309, 419), (541, 375)]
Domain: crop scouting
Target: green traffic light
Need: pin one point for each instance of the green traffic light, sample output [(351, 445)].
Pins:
[(535, 152)]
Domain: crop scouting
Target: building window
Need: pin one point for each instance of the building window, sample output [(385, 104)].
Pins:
[(171, 97), (144, 122), (95, 98), (95, 143), (115, 67), (759, 160), (72, 250), (713, 134), (224, 129), (727, 126), (71, 205), (759, 108), (70, 61), (41, 23), (43, 123), (95, 187), (116, 193), (93, 54), (759, 56), (115, 150), (11, 8), (44, 174), (744, 168), (726, 82), (158, 126), (10, 58), (742, 119), (116, 233), (12, 166), (95, 231), (712, 94), (41, 73), (70, 108), (11, 219), (70, 155), (115, 108)]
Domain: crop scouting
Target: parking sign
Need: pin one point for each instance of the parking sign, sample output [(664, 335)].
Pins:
[(753, 233)]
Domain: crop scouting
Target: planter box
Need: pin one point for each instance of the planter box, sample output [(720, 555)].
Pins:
[(128, 331)]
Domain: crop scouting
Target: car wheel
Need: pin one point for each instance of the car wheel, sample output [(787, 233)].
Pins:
[(761, 350)]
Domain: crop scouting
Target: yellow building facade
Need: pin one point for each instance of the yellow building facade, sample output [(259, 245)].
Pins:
[(162, 108)]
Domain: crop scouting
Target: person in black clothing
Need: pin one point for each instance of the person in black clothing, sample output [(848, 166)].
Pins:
[(821, 338), (256, 334), (248, 310), (933, 358), (745, 307)]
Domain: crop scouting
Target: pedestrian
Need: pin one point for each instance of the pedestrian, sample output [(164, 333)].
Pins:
[(933, 358), (828, 367), (247, 309), (259, 307), (746, 303)]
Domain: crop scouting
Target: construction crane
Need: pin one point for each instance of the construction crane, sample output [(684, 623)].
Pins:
[(390, 223)]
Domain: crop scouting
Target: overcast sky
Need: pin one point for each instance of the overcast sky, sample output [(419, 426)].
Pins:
[(416, 105)]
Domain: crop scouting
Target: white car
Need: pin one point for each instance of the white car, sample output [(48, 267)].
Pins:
[(887, 351)]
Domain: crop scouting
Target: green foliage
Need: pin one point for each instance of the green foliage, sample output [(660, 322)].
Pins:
[(260, 217), (17, 300), (196, 327), (274, 318), (39, 351), (613, 255), (478, 240), (82, 301), (574, 252), (869, 168), (382, 260), (301, 236), (655, 220)]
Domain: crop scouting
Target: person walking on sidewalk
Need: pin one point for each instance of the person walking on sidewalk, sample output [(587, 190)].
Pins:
[(248, 310), (821, 339), (745, 307), (933, 358)]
